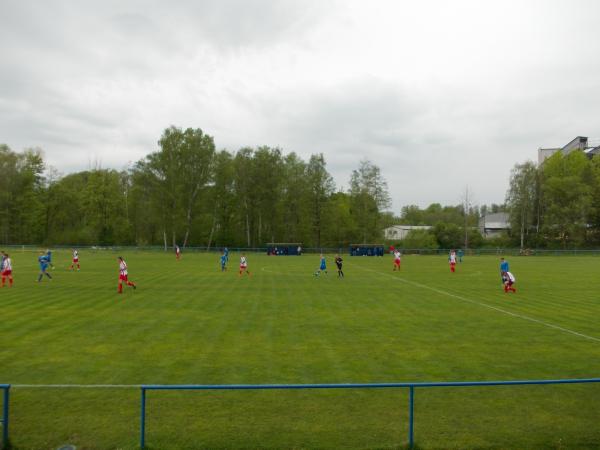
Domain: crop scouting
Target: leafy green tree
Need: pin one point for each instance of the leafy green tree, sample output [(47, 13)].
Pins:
[(295, 201), (448, 235), (320, 187), (521, 199), (417, 239), (221, 198), (175, 179), (370, 197), (567, 197)]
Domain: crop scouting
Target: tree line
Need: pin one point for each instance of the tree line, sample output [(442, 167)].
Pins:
[(556, 204), (190, 194)]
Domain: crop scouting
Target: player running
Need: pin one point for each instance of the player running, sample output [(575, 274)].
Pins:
[(75, 261), (452, 261), (503, 268), (6, 270), (123, 275), (223, 262), (322, 267), (338, 263), (397, 256), (509, 280), (177, 252), (43, 261), (244, 265), (49, 258), (226, 252)]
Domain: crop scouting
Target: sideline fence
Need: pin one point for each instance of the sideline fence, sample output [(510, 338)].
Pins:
[(4, 419), (411, 386)]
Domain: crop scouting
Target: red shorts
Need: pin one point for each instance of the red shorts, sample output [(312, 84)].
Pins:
[(243, 266), (397, 262), (6, 273), (122, 277), (75, 260)]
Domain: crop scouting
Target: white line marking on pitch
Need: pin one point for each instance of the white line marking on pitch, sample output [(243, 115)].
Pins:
[(485, 305)]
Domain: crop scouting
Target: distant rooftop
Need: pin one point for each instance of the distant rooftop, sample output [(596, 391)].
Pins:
[(590, 146)]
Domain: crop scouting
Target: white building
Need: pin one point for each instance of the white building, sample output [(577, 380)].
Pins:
[(589, 146), (493, 225), (399, 232)]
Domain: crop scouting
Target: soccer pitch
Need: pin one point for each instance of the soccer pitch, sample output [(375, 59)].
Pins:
[(190, 323)]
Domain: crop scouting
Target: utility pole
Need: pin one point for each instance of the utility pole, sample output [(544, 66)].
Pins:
[(466, 207)]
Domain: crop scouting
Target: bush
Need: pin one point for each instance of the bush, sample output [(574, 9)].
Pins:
[(419, 239)]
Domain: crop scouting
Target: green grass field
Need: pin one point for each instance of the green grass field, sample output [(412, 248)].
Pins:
[(188, 323)]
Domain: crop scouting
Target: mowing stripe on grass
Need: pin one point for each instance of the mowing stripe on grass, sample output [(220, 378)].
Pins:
[(78, 386), (485, 305)]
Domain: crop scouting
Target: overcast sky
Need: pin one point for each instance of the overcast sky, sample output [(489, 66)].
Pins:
[(440, 94)]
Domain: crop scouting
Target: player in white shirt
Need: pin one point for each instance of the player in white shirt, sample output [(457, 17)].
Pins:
[(397, 256), (6, 270), (75, 260), (452, 261), (123, 274), (177, 252), (244, 265), (509, 280)]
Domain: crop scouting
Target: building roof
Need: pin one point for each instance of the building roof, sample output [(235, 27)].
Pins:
[(498, 221)]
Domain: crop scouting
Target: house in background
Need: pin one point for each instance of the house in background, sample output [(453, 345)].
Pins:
[(588, 146), (399, 232), (494, 225)]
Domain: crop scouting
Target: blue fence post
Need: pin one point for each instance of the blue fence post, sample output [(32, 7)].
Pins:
[(411, 415), (143, 420), (5, 417)]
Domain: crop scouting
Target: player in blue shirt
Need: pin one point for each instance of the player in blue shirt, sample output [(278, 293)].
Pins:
[(43, 260), (49, 258), (226, 253), (503, 268), (223, 261), (322, 267)]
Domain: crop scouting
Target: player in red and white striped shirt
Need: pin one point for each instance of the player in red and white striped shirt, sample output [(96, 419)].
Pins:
[(123, 275), (6, 270), (75, 260), (244, 265), (397, 256)]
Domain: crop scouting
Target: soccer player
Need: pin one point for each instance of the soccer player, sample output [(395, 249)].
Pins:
[(43, 260), (123, 275), (322, 267), (397, 256), (223, 262), (452, 261), (6, 270), (75, 260), (460, 254), (49, 258), (503, 268), (509, 280), (244, 265), (177, 252), (338, 263), (226, 251)]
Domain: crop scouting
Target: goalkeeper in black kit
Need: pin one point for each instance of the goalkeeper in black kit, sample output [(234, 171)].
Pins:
[(338, 263)]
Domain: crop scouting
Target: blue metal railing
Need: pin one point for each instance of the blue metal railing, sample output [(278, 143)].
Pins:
[(4, 420), (411, 386)]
